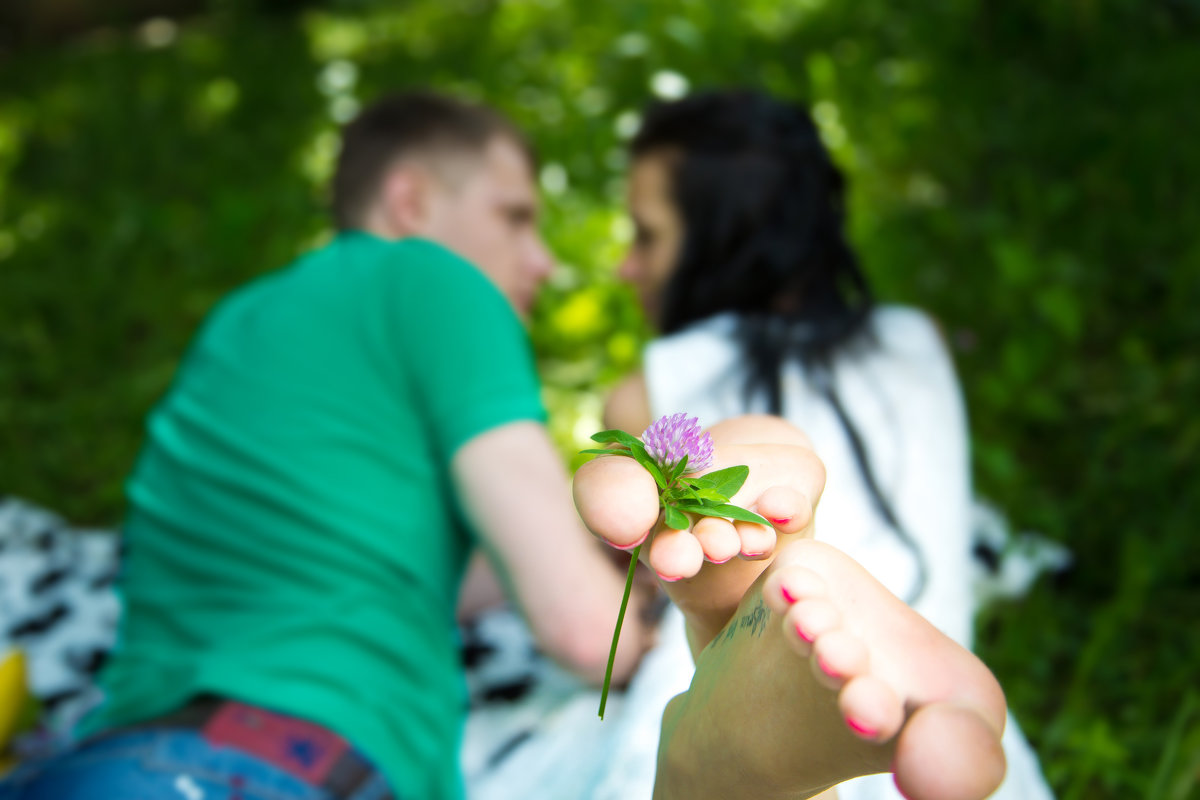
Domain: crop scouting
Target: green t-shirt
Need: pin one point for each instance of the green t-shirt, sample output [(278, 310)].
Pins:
[(293, 537)]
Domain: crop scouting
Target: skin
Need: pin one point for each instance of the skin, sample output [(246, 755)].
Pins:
[(511, 482), (657, 231), (514, 489), (647, 266), (756, 714), (808, 671), (705, 589), (483, 206)]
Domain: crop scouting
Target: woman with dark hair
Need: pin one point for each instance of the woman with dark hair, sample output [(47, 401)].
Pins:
[(740, 260)]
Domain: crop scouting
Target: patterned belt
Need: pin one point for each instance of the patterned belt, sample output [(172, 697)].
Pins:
[(316, 755)]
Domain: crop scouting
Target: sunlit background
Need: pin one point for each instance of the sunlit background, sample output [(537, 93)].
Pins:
[(1024, 170)]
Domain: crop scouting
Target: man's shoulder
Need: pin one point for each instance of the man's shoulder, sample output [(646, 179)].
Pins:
[(414, 262), (410, 249)]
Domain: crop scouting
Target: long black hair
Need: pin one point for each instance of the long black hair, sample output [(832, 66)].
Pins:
[(763, 208)]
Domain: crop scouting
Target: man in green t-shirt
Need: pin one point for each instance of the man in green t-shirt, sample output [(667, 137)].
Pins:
[(346, 431), (341, 435)]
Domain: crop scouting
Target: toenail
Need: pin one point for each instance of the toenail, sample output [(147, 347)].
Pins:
[(631, 545), (827, 669), (753, 555), (861, 729), (722, 561), (803, 634), (782, 521), (669, 578), (787, 596)]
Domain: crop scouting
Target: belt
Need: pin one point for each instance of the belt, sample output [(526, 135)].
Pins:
[(316, 755)]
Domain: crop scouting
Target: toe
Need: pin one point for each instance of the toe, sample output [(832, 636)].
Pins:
[(809, 619), (757, 541), (837, 657), (617, 499), (871, 708), (788, 585), (948, 752), (718, 539), (788, 509), (675, 555)]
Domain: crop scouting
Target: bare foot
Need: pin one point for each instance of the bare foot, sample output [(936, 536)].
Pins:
[(707, 569), (823, 675)]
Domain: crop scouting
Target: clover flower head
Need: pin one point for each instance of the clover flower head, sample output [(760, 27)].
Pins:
[(677, 435)]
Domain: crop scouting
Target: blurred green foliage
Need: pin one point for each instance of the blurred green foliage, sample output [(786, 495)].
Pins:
[(1025, 170)]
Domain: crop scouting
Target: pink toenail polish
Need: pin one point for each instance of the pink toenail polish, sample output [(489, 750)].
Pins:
[(787, 596), (783, 521), (827, 670), (752, 555), (861, 729), (803, 634), (722, 561), (631, 545), (669, 578)]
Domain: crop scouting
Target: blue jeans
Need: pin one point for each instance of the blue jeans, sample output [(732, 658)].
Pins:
[(165, 763)]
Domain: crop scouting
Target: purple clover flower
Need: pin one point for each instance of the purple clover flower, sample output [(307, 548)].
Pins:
[(677, 435)]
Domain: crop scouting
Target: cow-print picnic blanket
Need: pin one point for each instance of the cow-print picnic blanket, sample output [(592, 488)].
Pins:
[(532, 730), (57, 605)]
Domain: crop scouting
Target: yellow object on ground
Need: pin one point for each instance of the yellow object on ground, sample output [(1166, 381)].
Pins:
[(15, 703)]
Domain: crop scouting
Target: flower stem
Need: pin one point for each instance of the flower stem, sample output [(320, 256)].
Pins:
[(612, 653)]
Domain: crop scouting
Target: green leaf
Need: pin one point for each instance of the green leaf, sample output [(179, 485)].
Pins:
[(609, 451), (675, 518), (725, 481), (725, 510), (678, 469), (651, 466), (704, 494), (620, 437), (676, 495), (685, 494), (637, 451)]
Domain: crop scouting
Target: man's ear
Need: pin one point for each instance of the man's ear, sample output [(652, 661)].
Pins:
[(404, 199)]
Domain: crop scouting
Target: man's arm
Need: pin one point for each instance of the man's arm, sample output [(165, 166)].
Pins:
[(515, 490), (481, 589)]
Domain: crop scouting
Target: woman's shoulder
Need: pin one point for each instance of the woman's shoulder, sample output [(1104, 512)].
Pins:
[(897, 318), (900, 328)]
